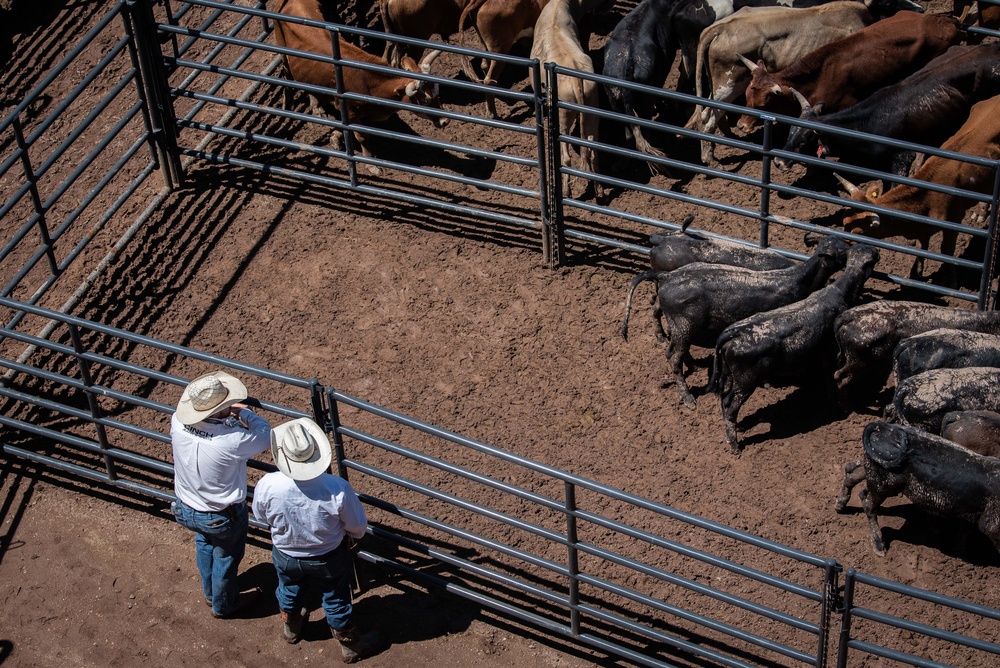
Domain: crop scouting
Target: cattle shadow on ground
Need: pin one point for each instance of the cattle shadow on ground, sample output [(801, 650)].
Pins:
[(803, 410), (951, 536)]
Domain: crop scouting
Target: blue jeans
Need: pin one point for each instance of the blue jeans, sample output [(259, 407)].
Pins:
[(220, 543), (329, 574)]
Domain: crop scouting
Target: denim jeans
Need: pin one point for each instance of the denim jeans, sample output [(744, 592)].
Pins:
[(329, 574), (220, 542)]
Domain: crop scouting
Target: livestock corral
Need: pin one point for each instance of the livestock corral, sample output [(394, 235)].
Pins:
[(448, 299)]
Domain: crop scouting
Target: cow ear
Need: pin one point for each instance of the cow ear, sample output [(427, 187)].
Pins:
[(818, 107), (874, 190), (400, 92)]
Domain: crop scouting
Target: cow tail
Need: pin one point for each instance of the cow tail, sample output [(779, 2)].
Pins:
[(716, 379), (470, 9), (652, 275), (701, 61)]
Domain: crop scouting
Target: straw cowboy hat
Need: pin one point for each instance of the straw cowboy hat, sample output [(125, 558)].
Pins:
[(300, 449), (209, 394)]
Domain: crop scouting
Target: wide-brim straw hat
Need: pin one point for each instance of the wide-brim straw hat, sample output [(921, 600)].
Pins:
[(301, 449), (209, 394)]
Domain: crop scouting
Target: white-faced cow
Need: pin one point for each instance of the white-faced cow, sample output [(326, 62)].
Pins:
[(935, 474), (928, 107), (776, 36), (848, 70), (979, 136), (399, 88), (557, 40)]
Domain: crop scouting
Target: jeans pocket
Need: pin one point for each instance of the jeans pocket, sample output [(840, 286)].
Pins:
[(175, 509), (215, 524)]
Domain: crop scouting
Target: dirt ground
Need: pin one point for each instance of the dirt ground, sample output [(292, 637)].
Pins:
[(432, 319)]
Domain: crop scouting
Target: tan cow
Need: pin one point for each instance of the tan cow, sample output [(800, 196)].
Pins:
[(778, 36), (399, 88), (557, 40), (979, 136)]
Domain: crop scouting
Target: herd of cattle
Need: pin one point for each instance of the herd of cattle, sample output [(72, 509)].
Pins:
[(877, 66), (773, 321)]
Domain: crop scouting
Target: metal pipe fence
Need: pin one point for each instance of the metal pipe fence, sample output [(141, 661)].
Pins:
[(567, 554)]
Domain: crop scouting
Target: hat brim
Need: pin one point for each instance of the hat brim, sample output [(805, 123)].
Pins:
[(186, 413), (313, 467)]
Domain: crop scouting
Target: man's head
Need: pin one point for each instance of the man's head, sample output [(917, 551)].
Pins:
[(300, 449), (209, 394)]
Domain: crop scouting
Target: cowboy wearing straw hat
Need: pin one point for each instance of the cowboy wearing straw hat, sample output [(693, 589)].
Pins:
[(213, 435), (311, 514)]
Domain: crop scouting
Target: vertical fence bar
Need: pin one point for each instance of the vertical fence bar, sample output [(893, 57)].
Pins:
[(333, 426), (95, 409), (845, 618), (338, 73), (553, 239), (140, 88), (765, 184), (36, 198), (572, 560), (163, 121), (990, 255), (831, 604)]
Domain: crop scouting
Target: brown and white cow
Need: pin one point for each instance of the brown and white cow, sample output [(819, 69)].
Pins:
[(557, 40), (399, 88), (850, 69), (778, 36), (979, 136)]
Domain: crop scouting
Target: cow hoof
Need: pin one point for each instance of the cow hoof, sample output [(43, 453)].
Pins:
[(839, 506), (689, 400)]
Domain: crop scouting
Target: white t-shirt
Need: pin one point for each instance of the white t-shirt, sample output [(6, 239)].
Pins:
[(210, 471), (308, 518)]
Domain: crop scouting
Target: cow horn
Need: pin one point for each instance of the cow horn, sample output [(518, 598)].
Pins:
[(851, 188), (412, 87), (753, 66), (803, 102)]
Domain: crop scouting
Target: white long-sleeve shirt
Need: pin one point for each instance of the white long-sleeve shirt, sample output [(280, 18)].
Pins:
[(210, 459), (308, 518)]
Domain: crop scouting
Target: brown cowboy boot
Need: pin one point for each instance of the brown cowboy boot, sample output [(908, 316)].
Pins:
[(355, 646), (291, 625)]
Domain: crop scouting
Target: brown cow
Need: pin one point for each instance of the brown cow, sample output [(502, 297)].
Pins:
[(419, 19), (399, 88), (850, 69), (557, 40), (979, 136)]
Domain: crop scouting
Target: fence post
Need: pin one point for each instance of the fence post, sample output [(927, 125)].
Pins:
[(572, 560), (333, 426), (153, 76), (553, 242), (338, 74), (990, 253), (845, 618), (765, 183), (95, 409)]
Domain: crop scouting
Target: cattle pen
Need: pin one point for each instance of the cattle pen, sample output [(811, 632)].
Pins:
[(199, 86)]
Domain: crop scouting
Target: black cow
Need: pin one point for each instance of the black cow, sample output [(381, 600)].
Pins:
[(924, 399), (928, 107), (699, 300), (641, 49), (978, 431), (932, 472), (672, 250), (944, 349), (786, 341), (868, 334)]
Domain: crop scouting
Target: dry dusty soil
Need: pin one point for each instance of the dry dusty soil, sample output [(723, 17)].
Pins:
[(429, 317)]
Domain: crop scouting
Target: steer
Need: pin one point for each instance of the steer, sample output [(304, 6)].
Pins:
[(944, 349), (978, 136), (398, 88), (788, 341), (924, 399), (557, 40), (850, 69), (928, 106), (777, 36), (672, 250), (420, 19), (640, 50), (932, 472), (699, 300), (868, 334), (978, 431)]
